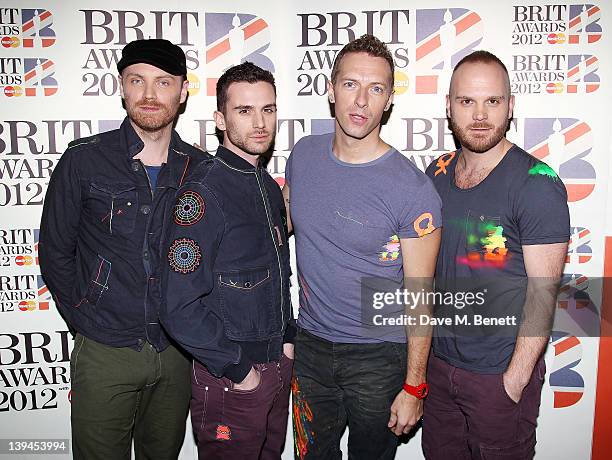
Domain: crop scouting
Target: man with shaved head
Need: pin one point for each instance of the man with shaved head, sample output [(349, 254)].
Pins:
[(506, 228)]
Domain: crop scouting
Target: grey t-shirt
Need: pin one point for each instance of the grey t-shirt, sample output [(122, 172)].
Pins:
[(521, 202), (348, 220)]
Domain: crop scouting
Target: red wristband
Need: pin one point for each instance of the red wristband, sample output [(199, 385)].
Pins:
[(420, 391)]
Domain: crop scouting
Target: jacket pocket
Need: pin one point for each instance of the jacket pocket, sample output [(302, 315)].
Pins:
[(246, 304), (114, 206), (98, 282)]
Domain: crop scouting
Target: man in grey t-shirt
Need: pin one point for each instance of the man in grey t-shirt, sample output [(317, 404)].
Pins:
[(360, 210)]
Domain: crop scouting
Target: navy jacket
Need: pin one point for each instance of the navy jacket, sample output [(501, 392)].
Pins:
[(100, 236), (226, 279)]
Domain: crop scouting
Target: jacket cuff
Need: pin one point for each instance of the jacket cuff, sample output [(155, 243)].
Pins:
[(290, 332), (238, 372)]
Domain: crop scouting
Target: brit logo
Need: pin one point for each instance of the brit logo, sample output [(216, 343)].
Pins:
[(579, 250), (581, 74), (444, 37), (567, 384), (27, 28), (564, 144), (556, 24), (573, 292), (44, 297), (29, 77), (584, 24), (19, 247), (554, 74), (232, 38)]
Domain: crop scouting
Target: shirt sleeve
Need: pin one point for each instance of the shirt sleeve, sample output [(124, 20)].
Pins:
[(422, 213), (541, 208), (189, 312)]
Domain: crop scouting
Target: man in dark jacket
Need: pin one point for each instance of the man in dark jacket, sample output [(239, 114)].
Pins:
[(227, 280), (100, 249)]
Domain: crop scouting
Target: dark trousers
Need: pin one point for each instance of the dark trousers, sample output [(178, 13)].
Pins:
[(470, 416), (118, 393), (336, 384), (231, 424)]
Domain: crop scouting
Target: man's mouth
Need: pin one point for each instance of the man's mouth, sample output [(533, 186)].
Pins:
[(358, 119)]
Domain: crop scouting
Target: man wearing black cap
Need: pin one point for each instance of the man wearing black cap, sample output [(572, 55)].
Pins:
[(100, 255)]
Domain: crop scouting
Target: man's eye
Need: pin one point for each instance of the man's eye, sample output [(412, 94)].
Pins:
[(349, 84), (164, 83), (270, 110), (466, 101), (135, 81), (243, 111), (378, 89)]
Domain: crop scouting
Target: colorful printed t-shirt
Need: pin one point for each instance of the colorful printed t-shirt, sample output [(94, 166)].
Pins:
[(348, 220), (521, 202)]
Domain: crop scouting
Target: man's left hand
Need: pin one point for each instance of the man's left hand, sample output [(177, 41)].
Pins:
[(513, 386), (406, 411), (288, 350)]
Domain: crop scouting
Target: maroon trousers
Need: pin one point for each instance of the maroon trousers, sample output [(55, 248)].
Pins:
[(470, 416), (248, 425)]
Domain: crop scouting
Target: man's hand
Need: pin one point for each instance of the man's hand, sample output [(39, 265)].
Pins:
[(406, 411), (288, 350), (514, 386), (250, 382)]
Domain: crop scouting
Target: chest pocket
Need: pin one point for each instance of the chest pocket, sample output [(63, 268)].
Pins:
[(114, 207)]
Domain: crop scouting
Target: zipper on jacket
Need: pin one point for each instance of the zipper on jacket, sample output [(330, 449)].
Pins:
[(264, 197)]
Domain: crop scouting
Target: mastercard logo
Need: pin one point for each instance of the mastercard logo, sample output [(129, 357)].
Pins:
[(27, 305), (24, 260), (13, 91), (10, 42), (555, 88), (401, 82), (556, 39), (194, 84)]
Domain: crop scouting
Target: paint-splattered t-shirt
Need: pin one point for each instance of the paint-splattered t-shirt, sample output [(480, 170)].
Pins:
[(348, 220), (521, 202)]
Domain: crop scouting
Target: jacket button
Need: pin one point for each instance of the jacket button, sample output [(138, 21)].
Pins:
[(145, 209), (135, 166), (145, 255)]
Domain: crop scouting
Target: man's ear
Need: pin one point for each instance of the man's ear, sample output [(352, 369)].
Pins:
[(184, 90), (121, 86), (330, 92), (219, 120)]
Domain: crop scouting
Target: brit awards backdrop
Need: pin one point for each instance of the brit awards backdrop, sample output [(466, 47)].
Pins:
[(58, 82)]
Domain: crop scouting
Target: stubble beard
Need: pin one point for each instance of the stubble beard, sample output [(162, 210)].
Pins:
[(477, 144)]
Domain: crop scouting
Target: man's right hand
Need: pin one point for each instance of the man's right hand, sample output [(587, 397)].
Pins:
[(250, 382)]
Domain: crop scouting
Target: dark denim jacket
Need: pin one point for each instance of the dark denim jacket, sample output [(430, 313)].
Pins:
[(100, 236), (226, 279)]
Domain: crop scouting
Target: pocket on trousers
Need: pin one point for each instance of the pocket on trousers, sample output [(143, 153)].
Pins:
[(246, 304), (505, 393), (79, 340)]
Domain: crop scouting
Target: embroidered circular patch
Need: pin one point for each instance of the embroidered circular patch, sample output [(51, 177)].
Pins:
[(184, 255), (189, 208)]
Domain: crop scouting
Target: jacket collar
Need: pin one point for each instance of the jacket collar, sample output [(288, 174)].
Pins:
[(132, 144), (234, 160), (177, 162)]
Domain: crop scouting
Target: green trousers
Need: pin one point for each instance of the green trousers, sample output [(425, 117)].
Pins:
[(120, 394)]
